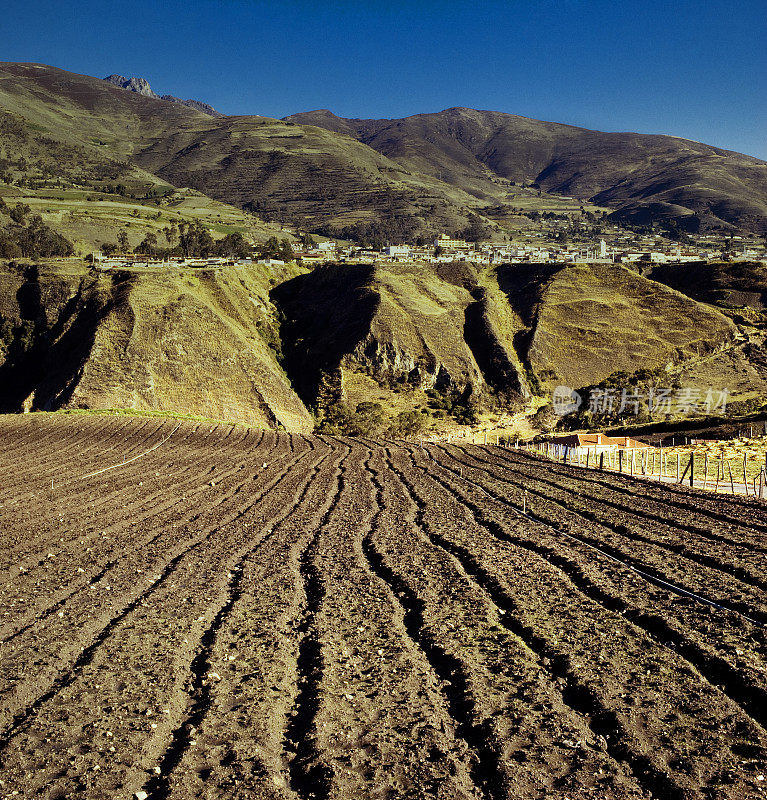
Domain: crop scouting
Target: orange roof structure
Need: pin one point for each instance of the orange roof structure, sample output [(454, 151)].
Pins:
[(598, 440)]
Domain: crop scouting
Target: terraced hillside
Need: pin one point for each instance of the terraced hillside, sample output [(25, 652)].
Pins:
[(401, 179), (645, 177), (83, 129), (207, 611)]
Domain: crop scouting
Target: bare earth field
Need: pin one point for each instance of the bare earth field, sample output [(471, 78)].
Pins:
[(241, 614)]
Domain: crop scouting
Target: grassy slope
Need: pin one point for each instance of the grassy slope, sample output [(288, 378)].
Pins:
[(192, 343), (206, 342), (739, 290), (595, 320), (89, 219), (81, 135), (308, 174), (473, 149), (412, 329)]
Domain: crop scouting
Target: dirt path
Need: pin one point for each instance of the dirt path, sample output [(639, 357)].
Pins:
[(241, 614)]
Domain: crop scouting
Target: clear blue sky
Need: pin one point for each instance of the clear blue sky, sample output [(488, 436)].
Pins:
[(693, 69)]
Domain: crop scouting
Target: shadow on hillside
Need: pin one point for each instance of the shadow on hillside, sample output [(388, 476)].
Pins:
[(735, 284), (327, 313), (524, 285), (488, 351), (46, 357)]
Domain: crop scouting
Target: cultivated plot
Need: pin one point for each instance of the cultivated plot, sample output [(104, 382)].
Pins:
[(206, 611)]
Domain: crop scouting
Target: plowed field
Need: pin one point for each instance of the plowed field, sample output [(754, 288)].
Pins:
[(204, 611)]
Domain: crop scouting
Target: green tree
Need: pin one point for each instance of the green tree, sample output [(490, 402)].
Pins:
[(408, 423), (19, 212), (149, 245), (233, 245)]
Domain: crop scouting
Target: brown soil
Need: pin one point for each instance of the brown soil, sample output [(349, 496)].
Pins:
[(245, 614)]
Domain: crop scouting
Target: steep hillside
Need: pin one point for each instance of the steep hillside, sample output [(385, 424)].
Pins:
[(305, 175), (400, 179), (738, 289), (734, 284), (643, 177), (494, 336), (204, 343), (585, 322), (402, 325), (245, 343)]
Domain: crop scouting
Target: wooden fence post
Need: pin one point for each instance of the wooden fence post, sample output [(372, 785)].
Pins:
[(692, 469), (684, 474), (602, 461), (732, 480), (705, 470), (745, 479), (677, 468)]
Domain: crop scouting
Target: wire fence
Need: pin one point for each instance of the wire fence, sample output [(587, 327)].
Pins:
[(744, 474)]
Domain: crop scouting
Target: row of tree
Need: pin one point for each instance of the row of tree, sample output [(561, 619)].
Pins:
[(193, 240), (27, 236)]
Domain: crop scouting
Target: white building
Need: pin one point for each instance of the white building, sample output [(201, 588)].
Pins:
[(397, 251), (446, 243)]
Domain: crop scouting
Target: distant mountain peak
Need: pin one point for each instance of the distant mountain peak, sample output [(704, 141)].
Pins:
[(141, 86), (137, 85)]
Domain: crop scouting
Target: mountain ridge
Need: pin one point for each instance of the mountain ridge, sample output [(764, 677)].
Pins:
[(141, 86), (627, 171), (391, 179)]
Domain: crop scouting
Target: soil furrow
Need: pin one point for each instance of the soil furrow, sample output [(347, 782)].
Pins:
[(579, 697), (248, 713), (684, 548), (627, 502), (201, 666), (488, 772), (724, 509), (651, 569), (367, 620), (66, 678), (188, 488), (749, 695), (310, 775)]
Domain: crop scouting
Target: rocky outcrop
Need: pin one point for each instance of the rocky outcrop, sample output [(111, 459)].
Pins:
[(403, 325), (142, 87), (137, 85), (197, 105)]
